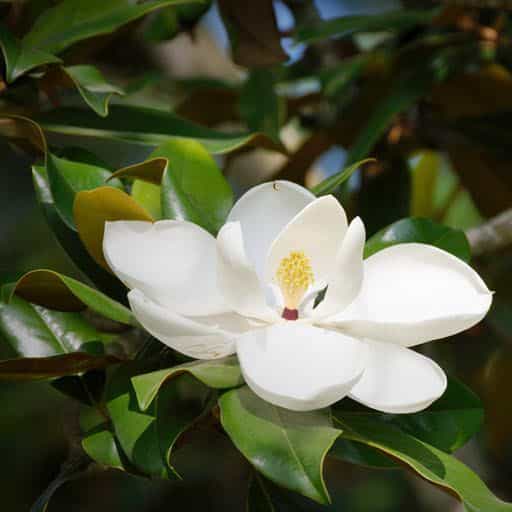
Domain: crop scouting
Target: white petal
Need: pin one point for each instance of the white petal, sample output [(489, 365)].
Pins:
[(398, 380), (299, 367), (318, 231), (197, 337), (346, 280), (263, 212), (413, 293), (172, 262), (237, 279)]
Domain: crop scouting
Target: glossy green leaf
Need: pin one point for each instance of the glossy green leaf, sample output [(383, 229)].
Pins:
[(148, 127), (98, 441), (287, 447), (180, 403), (423, 231), (391, 20), (20, 58), (70, 241), (361, 454), (148, 196), (67, 178), (49, 343), (193, 187), (447, 424), (60, 26), (215, 373), (93, 87), (429, 462), (101, 447), (57, 291), (260, 106), (330, 184), (135, 429)]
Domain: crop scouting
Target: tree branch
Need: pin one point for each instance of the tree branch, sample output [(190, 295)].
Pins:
[(491, 236)]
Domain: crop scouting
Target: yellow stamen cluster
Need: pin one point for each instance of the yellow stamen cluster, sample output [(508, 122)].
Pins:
[(294, 276)]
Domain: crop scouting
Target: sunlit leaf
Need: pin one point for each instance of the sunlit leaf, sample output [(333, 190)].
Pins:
[(287, 447), (215, 373), (148, 127), (59, 27), (19, 58), (429, 462), (93, 87), (57, 291), (67, 178), (423, 231)]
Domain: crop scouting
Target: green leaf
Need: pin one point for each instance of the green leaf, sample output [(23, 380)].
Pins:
[(70, 241), (423, 231), (148, 196), (50, 343), (402, 19), (332, 183), (193, 187), (287, 447), (148, 127), (215, 373), (180, 403), (92, 86), (447, 424), (98, 441), (260, 106), (60, 26), (101, 447), (67, 178), (429, 462), (18, 58), (135, 429), (57, 291)]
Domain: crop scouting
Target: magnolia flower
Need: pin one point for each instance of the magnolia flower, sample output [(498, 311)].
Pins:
[(255, 291)]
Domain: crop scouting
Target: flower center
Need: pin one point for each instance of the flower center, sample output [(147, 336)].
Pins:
[(294, 276)]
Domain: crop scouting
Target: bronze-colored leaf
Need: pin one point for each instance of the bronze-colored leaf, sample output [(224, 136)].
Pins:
[(92, 208)]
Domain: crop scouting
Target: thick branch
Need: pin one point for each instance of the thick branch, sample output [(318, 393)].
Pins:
[(491, 236)]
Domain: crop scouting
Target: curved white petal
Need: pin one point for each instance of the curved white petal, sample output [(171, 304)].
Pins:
[(172, 262), (318, 231), (263, 212), (346, 280), (203, 338), (413, 293), (237, 278), (299, 367), (398, 380)]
